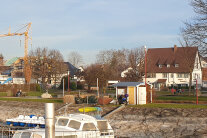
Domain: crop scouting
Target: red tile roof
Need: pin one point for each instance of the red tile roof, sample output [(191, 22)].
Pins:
[(183, 56)]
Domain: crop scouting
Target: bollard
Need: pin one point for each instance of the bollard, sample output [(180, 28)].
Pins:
[(49, 120)]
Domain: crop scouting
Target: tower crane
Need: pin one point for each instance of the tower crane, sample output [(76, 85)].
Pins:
[(27, 69)]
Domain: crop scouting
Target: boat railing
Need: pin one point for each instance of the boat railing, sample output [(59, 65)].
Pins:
[(9, 133)]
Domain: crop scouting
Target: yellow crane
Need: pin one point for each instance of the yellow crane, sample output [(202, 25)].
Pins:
[(27, 69)]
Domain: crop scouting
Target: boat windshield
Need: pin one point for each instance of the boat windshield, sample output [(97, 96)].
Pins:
[(17, 135), (62, 122), (74, 124), (89, 127)]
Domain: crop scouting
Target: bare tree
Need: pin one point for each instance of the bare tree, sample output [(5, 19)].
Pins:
[(195, 31), (75, 58), (136, 62), (114, 60), (188, 57), (94, 71), (46, 64)]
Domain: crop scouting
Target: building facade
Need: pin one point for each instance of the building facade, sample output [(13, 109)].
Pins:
[(175, 66)]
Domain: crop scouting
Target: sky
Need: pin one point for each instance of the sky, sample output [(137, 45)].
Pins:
[(89, 26)]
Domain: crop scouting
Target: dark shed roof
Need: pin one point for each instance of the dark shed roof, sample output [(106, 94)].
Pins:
[(125, 84)]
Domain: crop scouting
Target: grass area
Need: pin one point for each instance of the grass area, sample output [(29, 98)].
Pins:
[(38, 93), (2, 94), (32, 100), (181, 98), (110, 91), (160, 93), (169, 106)]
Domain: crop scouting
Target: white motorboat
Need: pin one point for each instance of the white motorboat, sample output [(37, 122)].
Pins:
[(72, 126)]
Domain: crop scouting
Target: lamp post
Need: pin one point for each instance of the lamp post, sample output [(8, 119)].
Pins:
[(68, 81)]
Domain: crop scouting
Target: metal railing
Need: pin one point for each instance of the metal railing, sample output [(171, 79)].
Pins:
[(31, 133)]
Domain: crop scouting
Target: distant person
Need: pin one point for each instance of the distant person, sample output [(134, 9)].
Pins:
[(19, 93), (120, 99), (126, 98), (173, 91)]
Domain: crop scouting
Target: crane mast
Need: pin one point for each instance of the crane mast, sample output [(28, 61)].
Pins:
[(27, 69)]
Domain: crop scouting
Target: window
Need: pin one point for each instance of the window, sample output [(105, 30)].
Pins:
[(164, 75), (186, 75), (151, 75), (168, 65), (176, 65), (160, 66), (62, 122), (88, 127), (196, 76), (172, 75), (36, 136), (74, 124), (25, 135), (184, 85), (17, 135), (179, 75)]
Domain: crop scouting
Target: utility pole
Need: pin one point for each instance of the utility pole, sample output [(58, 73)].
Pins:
[(97, 88), (197, 90), (63, 86), (145, 50), (68, 81)]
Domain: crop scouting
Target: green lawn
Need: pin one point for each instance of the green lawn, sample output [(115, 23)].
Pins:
[(181, 98), (160, 93), (31, 100), (3, 94), (37, 93), (154, 105)]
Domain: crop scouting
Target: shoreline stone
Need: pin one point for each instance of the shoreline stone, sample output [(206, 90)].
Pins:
[(131, 121)]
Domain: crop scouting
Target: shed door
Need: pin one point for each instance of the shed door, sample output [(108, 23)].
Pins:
[(131, 95), (142, 95)]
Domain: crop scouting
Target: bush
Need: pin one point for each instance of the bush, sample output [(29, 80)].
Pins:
[(80, 86), (92, 99), (38, 87), (73, 86)]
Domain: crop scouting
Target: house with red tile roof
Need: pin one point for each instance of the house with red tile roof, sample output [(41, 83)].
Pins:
[(173, 66)]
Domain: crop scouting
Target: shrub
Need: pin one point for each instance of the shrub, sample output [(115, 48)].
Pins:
[(73, 86), (38, 87)]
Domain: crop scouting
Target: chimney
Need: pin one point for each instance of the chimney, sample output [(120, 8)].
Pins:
[(175, 48)]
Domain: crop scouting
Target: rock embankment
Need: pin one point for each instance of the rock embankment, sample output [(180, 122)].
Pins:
[(131, 121), (160, 122)]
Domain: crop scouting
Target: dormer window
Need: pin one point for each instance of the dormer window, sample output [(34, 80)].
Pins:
[(176, 65), (168, 65), (160, 66)]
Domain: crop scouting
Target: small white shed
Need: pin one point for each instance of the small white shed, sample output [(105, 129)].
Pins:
[(136, 90)]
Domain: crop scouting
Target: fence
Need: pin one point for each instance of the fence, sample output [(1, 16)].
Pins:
[(13, 88)]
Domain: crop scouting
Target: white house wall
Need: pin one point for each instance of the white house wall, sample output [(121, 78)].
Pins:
[(197, 73), (169, 79)]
